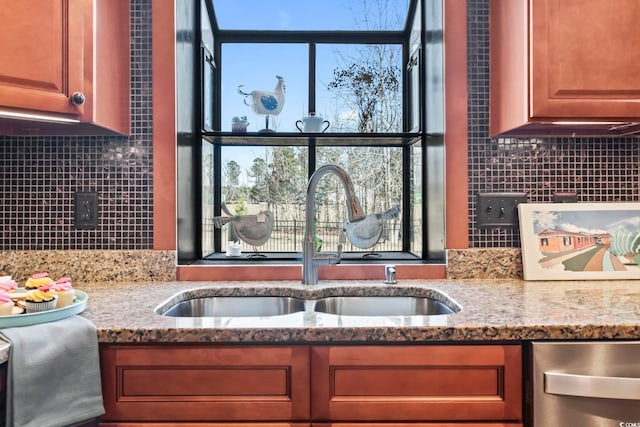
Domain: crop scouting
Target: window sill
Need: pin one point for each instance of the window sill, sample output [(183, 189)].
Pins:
[(282, 270), (253, 258), (320, 139)]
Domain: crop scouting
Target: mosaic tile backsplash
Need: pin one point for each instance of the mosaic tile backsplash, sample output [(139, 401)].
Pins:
[(39, 175), (597, 169)]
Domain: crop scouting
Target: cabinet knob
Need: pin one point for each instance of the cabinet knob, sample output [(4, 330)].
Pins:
[(78, 98)]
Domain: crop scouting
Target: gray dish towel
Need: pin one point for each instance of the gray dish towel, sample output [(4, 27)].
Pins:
[(53, 376)]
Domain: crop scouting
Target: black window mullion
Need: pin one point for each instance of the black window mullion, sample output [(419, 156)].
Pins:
[(217, 193), (312, 105), (312, 78), (406, 197)]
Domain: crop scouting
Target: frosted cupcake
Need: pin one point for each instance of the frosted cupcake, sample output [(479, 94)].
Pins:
[(64, 291), (6, 304), (37, 280), (7, 284), (42, 299)]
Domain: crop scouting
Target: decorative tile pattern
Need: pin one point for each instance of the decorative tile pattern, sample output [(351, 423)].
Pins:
[(38, 175), (597, 169)]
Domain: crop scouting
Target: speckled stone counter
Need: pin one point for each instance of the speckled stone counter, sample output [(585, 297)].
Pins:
[(492, 310), (108, 266)]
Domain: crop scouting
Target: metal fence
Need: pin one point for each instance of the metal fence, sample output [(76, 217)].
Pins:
[(288, 236)]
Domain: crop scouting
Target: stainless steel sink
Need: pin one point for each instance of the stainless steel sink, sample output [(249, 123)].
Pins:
[(383, 306), (258, 306), (383, 301)]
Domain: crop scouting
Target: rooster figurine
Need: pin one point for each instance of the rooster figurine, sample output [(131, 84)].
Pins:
[(266, 103), (366, 231), (252, 229)]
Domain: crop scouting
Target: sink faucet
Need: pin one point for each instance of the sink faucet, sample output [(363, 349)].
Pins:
[(310, 258)]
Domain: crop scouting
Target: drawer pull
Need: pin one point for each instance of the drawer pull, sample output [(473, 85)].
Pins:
[(592, 386)]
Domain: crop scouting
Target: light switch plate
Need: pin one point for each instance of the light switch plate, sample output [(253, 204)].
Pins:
[(497, 210), (565, 197)]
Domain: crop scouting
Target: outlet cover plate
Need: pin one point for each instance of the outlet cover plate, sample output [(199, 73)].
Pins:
[(85, 210), (498, 210)]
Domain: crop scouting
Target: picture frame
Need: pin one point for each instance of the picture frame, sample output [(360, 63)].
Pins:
[(580, 241)]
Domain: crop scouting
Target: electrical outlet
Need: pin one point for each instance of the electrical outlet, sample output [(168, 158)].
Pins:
[(495, 210), (85, 210)]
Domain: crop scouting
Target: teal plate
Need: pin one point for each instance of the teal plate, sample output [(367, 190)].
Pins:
[(78, 306)]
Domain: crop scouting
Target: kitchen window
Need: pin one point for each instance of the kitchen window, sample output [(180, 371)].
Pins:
[(369, 88)]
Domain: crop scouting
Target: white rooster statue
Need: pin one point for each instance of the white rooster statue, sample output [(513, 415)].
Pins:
[(266, 103)]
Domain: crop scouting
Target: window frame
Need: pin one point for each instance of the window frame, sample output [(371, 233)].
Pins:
[(312, 38)]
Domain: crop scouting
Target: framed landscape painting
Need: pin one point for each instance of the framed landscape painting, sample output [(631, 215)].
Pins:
[(580, 241)]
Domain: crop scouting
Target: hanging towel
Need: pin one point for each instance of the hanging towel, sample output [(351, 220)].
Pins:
[(53, 375)]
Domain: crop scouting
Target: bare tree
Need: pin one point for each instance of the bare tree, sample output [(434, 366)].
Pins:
[(368, 82), (364, 86)]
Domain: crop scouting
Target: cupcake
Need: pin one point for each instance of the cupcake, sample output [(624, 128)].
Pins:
[(6, 304), (64, 291), (41, 299), (7, 284), (37, 280)]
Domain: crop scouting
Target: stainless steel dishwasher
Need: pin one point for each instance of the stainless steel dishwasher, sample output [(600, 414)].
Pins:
[(586, 384)]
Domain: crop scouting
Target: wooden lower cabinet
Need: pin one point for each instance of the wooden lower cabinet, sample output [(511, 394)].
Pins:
[(417, 383), (320, 386), (205, 383), (3, 392), (205, 424), (416, 425)]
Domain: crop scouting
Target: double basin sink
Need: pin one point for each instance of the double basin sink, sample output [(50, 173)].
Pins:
[(368, 301)]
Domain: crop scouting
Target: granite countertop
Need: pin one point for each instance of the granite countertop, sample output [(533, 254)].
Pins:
[(492, 310)]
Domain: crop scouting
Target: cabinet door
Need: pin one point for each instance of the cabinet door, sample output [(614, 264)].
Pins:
[(416, 383), (416, 425), (3, 391), (253, 424), (585, 59), (205, 383), (41, 60)]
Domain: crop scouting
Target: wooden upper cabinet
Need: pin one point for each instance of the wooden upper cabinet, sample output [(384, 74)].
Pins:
[(558, 62), (65, 59)]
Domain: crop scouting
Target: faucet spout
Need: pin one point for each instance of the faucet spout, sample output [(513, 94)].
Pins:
[(310, 256)]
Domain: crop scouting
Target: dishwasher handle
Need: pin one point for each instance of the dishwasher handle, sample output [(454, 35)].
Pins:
[(592, 386)]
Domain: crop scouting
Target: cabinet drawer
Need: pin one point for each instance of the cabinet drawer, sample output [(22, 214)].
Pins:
[(416, 383), (189, 383)]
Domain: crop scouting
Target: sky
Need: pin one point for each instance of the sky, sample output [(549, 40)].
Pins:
[(594, 221), (255, 66), (295, 14)]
